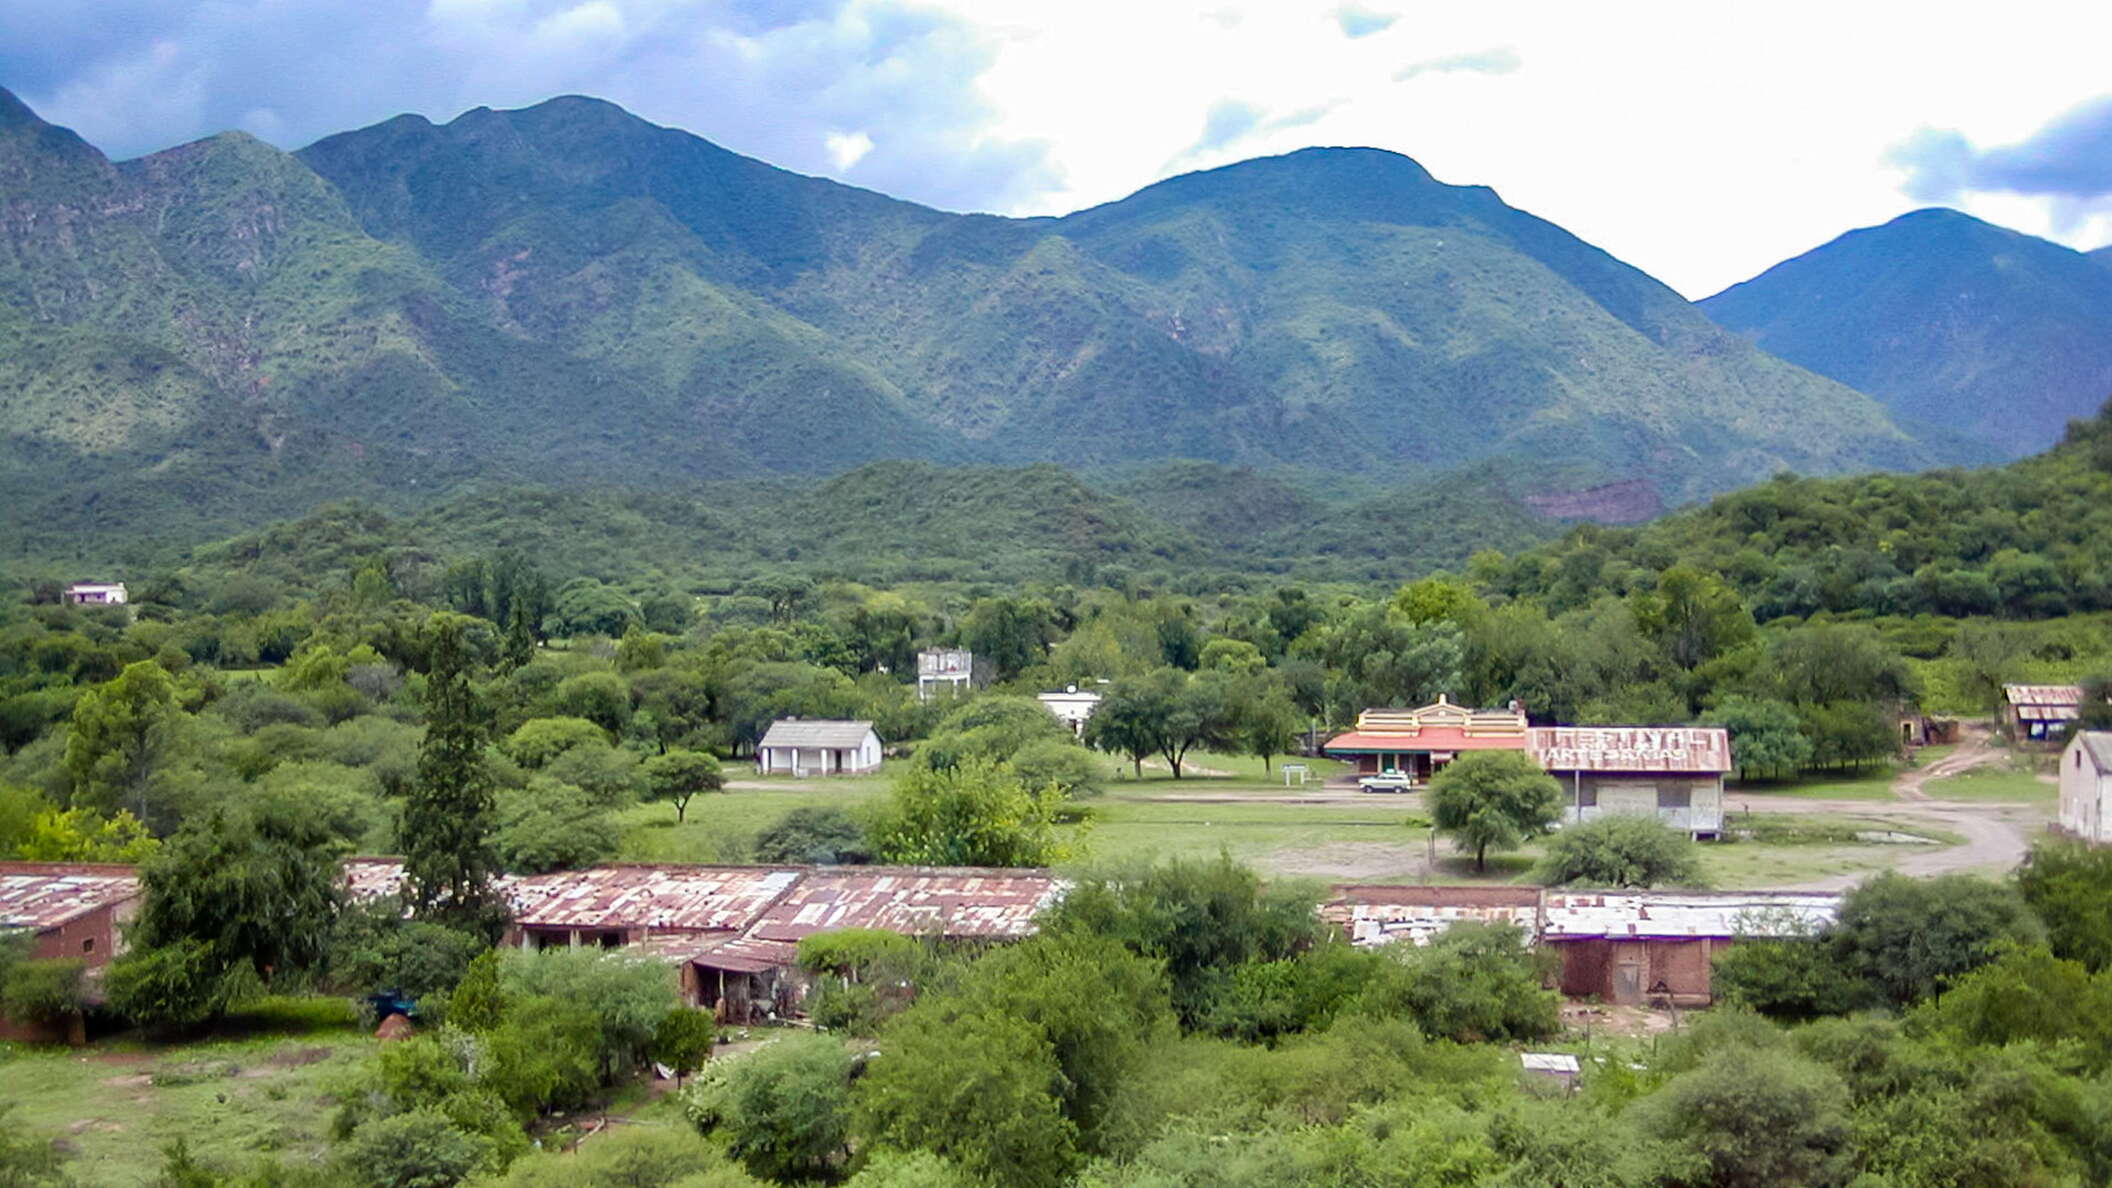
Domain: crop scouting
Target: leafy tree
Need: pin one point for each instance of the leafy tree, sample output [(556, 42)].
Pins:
[(1474, 983), (1262, 721), (1378, 657), (977, 813), (600, 697), (678, 776), (1058, 763), (257, 884), (127, 734), (1766, 736), (1845, 733), (1011, 633), (551, 826), (2068, 885), (478, 1002), (786, 1107), (448, 858), (1693, 616), (1621, 850), (632, 1157), (911, 1169), (979, 1090), (683, 1040), (77, 835), (372, 948), (174, 985), (543, 1056), (1236, 656), (539, 740), (1166, 713), (1760, 1118), (587, 607), (1820, 664), (1908, 936), (1794, 978), (1494, 799), (625, 995), (416, 1149), (1201, 918), (2026, 994), (819, 835), (519, 646)]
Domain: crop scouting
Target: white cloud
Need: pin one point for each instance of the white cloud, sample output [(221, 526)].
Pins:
[(847, 148)]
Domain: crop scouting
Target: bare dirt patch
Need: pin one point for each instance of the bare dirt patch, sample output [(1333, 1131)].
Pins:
[(1349, 861), (1636, 1021)]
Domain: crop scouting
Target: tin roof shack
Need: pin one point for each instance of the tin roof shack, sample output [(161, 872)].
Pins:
[(2086, 787), (69, 909), (1674, 773), (1416, 742), (966, 905), (1655, 947), (1382, 915), (2040, 713), (818, 747)]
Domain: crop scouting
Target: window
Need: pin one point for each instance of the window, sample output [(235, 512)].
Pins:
[(1588, 797), (88, 944), (1674, 796)]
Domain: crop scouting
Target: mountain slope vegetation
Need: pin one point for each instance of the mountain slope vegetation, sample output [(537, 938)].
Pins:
[(1964, 330), (566, 296)]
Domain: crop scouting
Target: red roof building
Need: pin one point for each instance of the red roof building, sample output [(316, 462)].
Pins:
[(1417, 742)]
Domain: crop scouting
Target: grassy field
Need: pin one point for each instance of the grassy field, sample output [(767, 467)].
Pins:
[(2000, 783), (1870, 783), (260, 1085)]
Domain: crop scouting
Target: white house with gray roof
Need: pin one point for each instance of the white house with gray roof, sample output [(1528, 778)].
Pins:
[(2086, 786), (817, 746)]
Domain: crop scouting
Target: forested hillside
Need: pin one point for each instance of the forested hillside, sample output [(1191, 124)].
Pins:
[(1965, 331), (568, 296)]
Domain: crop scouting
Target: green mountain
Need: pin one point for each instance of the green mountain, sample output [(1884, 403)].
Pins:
[(567, 296), (1962, 329)]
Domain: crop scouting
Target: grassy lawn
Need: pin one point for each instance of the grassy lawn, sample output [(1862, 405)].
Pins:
[(721, 827), (1998, 783), (258, 1086), (1870, 783), (1126, 827)]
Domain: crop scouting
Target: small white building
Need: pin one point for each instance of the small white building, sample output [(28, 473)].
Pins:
[(817, 746), (948, 671), (95, 594), (1070, 707), (2086, 787)]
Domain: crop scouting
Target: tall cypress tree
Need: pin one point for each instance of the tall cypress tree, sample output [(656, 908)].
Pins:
[(448, 858)]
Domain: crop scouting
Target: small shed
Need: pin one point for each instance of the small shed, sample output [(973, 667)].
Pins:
[(2086, 787), (1556, 1071), (1655, 947), (2040, 713), (69, 909), (1674, 773), (818, 746)]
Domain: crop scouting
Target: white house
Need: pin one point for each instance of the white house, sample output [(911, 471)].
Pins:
[(818, 746), (2086, 786), (1070, 707), (96, 594)]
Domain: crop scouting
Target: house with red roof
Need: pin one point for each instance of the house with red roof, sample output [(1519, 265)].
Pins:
[(1417, 742)]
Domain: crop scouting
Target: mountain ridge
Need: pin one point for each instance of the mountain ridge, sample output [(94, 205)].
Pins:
[(567, 293)]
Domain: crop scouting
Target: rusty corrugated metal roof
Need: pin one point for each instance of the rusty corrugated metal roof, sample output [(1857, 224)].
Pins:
[(943, 901), (2043, 695), (746, 954), (1693, 750), (45, 895), (678, 898)]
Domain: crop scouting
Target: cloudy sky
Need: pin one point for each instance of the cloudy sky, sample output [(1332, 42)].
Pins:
[(1701, 142)]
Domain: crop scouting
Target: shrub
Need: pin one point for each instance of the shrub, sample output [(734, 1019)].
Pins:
[(1907, 936), (625, 995), (1476, 982), (44, 991), (818, 835), (683, 1040), (539, 740), (1760, 1119), (418, 1149), (1621, 850), (786, 1107)]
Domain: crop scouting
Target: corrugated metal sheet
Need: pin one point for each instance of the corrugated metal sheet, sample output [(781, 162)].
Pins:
[(680, 898), (950, 902), (1384, 915), (2070, 695), (1672, 914), (747, 954), (41, 895), (1685, 750), (1442, 739), (801, 732)]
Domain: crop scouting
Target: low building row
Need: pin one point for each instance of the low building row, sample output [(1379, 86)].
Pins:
[(1624, 947)]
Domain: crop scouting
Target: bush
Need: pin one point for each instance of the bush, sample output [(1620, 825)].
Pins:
[(1760, 1119), (683, 1040), (1059, 764), (544, 1056), (785, 1108), (551, 826), (626, 995), (1792, 978), (374, 948), (2069, 885), (44, 991), (1474, 983), (817, 836), (418, 1149), (539, 740), (1907, 936), (179, 984), (626, 1157), (1621, 850)]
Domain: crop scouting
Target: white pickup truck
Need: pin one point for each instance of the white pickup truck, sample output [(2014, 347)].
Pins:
[(1386, 781)]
